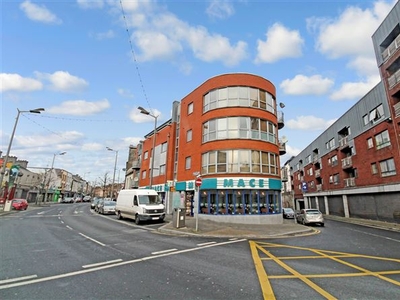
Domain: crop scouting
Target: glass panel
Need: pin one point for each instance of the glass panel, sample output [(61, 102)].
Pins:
[(230, 203), (233, 92), (255, 161), (233, 161), (263, 202), (203, 203), (254, 203), (206, 102), (222, 207), (244, 160), (221, 161), (263, 103), (223, 94)]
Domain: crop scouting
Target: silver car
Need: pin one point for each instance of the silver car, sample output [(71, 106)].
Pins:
[(310, 216)]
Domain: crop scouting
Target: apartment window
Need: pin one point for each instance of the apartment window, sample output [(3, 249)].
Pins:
[(330, 145), (365, 120), (382, 140), (144, 174), (376, 114), (387, 167), (310, 171), (374, 168), (370, 143), (336, 179), (164, 147), (190, 108), (188, 162), (334, 160), (162, 170), (308, 159), (146, 155), (188, 135)]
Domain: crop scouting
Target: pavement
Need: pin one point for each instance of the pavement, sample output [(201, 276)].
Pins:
[(207, 228)]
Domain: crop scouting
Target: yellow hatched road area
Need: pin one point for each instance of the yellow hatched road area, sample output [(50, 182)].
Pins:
[(282, 254)]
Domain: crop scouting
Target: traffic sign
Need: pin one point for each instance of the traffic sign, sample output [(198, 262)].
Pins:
[(198, 181)]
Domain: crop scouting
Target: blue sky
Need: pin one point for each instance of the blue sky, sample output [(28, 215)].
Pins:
[(91, 63)]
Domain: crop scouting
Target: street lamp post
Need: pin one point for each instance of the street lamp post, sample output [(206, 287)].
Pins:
[(3, 169), (115, 167), (145, 112), (51, 173)]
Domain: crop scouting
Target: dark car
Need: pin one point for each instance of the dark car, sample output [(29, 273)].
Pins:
[(288, 213), (19, 204), (94, 203)]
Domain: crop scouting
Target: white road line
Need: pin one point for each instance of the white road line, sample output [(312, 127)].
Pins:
[(164, 251), (40, 213), (93, 240), (102, 263), (376, 235), (205, 244), (62, 222), (80, 272), (17, 279), (69, 227)]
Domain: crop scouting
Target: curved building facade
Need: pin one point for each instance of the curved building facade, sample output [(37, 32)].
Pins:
[(226, 133)]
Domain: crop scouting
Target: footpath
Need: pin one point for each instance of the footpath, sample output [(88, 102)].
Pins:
[(206, 228)]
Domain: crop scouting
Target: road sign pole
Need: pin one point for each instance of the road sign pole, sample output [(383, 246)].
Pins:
[(196, 206)]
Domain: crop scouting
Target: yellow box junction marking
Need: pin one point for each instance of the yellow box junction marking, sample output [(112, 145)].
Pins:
[(266, 287)]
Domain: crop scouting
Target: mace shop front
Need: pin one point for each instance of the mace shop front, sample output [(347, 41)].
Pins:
[(237, 199)]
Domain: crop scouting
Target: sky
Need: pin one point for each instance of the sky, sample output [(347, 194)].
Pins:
[(91, 63)]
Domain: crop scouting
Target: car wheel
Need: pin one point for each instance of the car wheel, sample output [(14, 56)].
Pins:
[(119, 217), (137, 220), (322, 224)]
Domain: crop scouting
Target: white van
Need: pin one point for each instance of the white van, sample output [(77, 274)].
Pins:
[(139, 205)]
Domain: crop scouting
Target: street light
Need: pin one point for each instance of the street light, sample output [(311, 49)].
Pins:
[(115, 167), (51, 173), (3, 169), (145, 112)]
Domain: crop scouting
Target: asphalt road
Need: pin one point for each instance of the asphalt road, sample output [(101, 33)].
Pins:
[(68, 252)]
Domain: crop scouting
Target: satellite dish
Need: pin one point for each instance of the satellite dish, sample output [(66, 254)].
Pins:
[(284, 140), (135, 179)]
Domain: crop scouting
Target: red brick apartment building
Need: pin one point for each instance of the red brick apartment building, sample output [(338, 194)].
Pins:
[(226, 133), (353, 168)]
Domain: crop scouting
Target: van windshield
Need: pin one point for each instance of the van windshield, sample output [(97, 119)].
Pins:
[(149, 199)]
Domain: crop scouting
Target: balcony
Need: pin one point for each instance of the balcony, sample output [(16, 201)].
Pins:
[(281, 120), (344, 142), (394, 79), (282, 148), (391, 49), (347, 163), (136, 165), (319, 187), (317, 173), (349, 182), (397, 109)]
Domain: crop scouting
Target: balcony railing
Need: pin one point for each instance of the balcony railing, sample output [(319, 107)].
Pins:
[(317, 173), (397, 109), (349, 182), (319, 187), (344, 142), (391, 49), (347, 162), (394, 79), (282, 148), (281, 120)]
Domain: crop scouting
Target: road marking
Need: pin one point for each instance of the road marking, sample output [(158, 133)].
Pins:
[(164, 251), (102, 263), (70, 228), (62, 222), (335, 256), (93, 240), (17, 279), (205, 244), (377, 235), (40, 213), (122, 263)]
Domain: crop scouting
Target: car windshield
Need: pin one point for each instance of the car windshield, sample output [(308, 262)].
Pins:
[(149, 199), (313, 212), (109, 203), (288, 210)]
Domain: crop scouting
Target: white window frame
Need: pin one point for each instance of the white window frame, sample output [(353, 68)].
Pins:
[(188, 162)]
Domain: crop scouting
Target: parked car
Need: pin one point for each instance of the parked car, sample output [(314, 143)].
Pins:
[(94, 202), (98, 204), (288, 213), (19, 204), (67, 200), (107, 207), (87, 199), (310, 216), (78, 199)]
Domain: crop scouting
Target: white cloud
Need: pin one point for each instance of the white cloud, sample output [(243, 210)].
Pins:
[(309, 123), (125, 93), (39, 13), (136, 116), (105, 35), (220, 9), (15, 82), (40, 141), (159, 34), (63, 81), (90, 4), (79, 107), (280, 43), (354, 90), (92, 147), (306, 85)]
